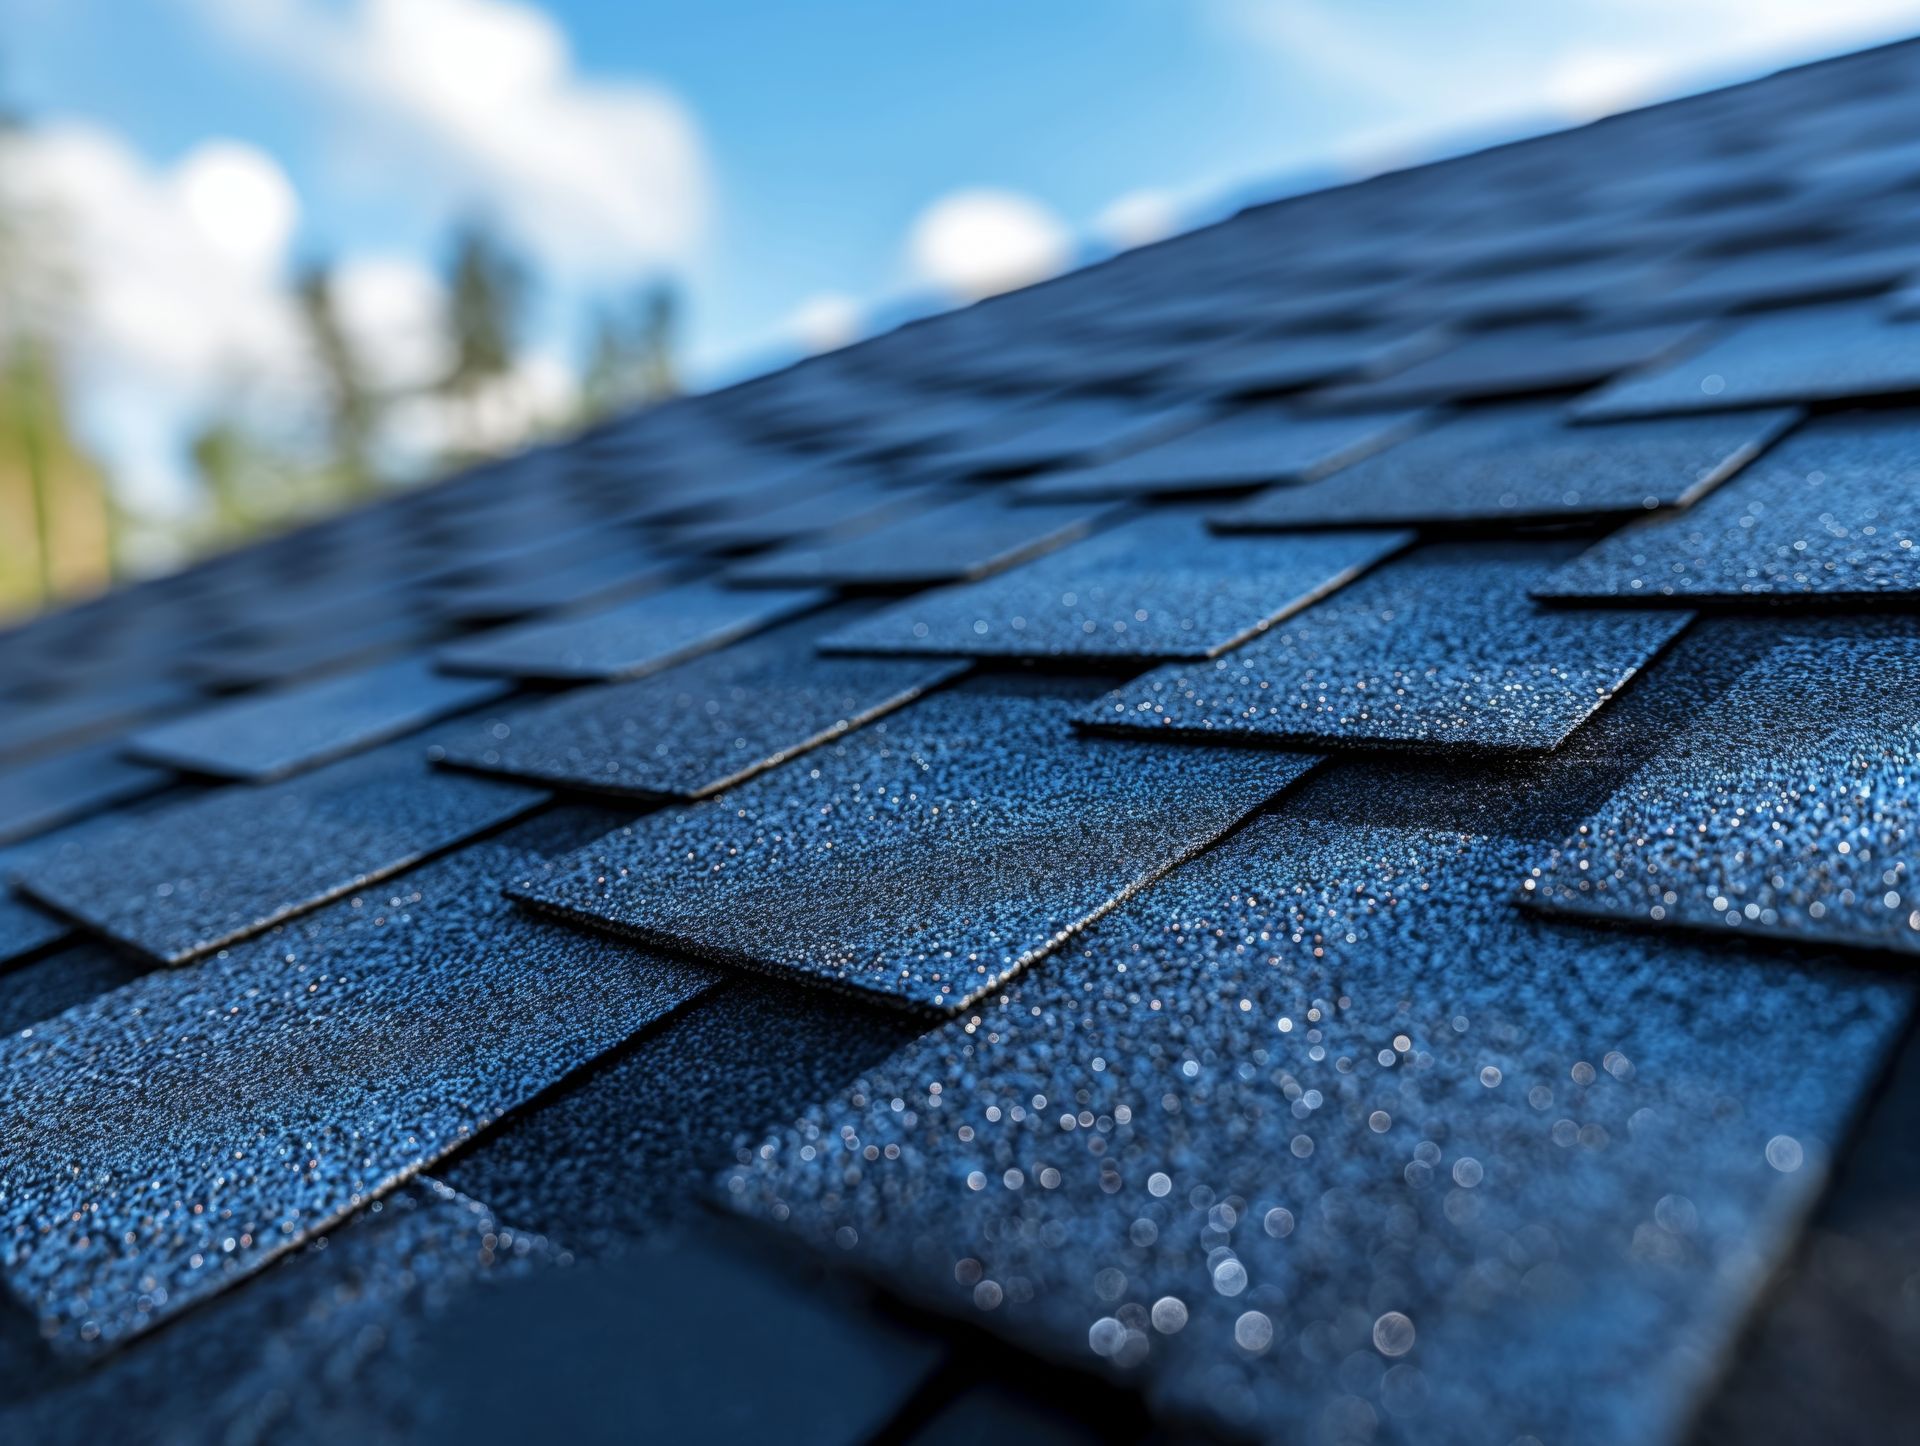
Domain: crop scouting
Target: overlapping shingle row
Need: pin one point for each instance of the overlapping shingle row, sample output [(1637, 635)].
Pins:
[(1232, 697)]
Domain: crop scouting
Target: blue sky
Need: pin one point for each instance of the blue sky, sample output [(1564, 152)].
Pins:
[(797, 164)]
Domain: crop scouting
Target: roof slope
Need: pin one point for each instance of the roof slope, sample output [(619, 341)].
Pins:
[(1311, 827)]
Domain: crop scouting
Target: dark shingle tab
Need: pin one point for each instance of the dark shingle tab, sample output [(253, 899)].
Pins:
[(963, 540), (683, 1339), (57, 981), (1279, 1113), (1440, 649), (927, 858), (1085, 429), (620, 1152), (1161, 587), (192, 878), (1832, 512), (1515, 361), (36, 726), (1249, 448), (1779, 277), (702, 726), (1523, 464), (1809, 354), (1254, 366), (174, 1136), (270, 736), (641, 636), (786, 512), (24, 928), (46, 792), (1792, 809)]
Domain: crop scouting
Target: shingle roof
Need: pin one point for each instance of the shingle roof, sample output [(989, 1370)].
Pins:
[(1306, 833)]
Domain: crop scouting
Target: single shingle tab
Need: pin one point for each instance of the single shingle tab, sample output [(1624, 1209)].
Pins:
[(1792, 810), (1515, 361), (1808, 354), (54, 983), (1440, 649), (1254, 447), (175, 1135), (1832, 512), (1523, 464), (1161, 587), (1253, 366), (24, 928), (924, 860), (700, 727), (180, 882), (963, 540), (1321, 1129), (641, 636), (787, 512), (1777, 277), (268, 736), (1078, 430), (48, 791)]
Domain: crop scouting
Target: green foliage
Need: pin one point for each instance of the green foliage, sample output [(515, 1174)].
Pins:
[(630, 357), (353, 407), (487, 309)]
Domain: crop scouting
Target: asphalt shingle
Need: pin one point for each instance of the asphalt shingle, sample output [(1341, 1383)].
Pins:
[(189, 879), (970, 538), (1831, 513), (630, 639), (267, 736), (1251, 448), (1438, 650), (1523, 464), (1162, 587), (1808, 354), (1792, 809), (151, 1160), (924, 860), (700, 727)]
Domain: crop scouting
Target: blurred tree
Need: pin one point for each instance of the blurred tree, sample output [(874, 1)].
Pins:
[(630, 356), (56, 533), (56, 528), (251, 483), (353, 406), (487, 297)]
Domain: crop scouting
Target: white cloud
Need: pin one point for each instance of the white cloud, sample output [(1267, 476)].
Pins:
[(169, 287), (974, 243), (1137, 219), (242, 202), (393, 311), (1407, 76), (478, 104), (826, 321)]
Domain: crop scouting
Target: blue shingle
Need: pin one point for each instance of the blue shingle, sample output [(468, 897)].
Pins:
[(1161, 587), (924, 860), (1439, 649), (271, 735), (1322, 1110), (192, 878), (700, 727), (969, 538), (1249, 448), (153, 1157), (627, 640), (1791, 809), (1808, 354), (1523, 464), (1831, 513)]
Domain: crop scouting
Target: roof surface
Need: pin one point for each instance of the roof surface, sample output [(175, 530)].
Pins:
[(1305, 834)]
